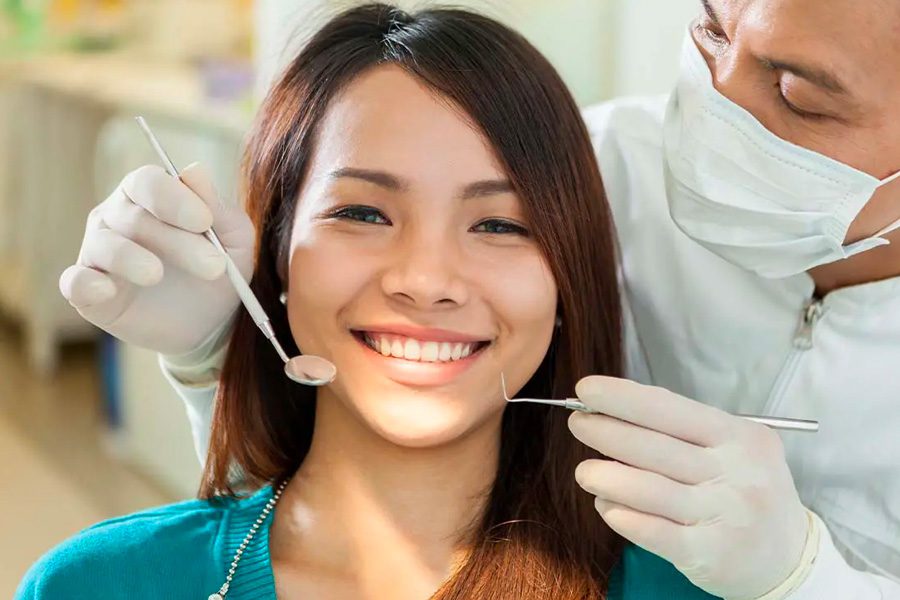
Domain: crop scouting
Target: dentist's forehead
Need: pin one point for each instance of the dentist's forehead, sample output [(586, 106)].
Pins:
[(843, 43)]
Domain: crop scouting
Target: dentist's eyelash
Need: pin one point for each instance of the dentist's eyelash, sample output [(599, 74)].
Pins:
[(500, 227), (810, 116), (362, 214)]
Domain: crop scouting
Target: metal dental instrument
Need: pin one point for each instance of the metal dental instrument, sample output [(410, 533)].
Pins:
[(575, 404), (304, 369)]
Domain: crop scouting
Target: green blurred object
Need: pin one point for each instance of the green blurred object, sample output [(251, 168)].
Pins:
[(28, 19), (29, 22)]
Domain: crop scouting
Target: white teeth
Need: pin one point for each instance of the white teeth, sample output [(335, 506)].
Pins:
[(430, 351), (415, 350), (412, 350)]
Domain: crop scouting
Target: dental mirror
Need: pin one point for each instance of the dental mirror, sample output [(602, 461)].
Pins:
[(310, 370)]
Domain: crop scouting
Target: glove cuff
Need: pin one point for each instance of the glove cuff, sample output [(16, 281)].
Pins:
[(201, 367), (807, 560)]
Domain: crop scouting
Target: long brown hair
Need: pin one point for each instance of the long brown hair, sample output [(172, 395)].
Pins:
[(540, 536)]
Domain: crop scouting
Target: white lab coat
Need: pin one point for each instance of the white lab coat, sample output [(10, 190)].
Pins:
[(722, 335)]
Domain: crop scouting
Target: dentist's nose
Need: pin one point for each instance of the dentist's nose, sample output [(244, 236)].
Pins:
[(425, 272)]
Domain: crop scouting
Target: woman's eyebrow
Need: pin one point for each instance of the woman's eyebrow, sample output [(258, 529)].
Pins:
[(379, 178), (389, 181), (487, 187)]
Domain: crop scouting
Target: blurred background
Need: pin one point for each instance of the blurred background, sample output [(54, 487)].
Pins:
[(88, 428)]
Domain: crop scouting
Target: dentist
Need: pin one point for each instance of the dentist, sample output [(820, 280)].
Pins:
[(756, 207)]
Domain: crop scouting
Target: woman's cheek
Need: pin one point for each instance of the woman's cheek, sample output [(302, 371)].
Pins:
[(524, 294), (324, 280)]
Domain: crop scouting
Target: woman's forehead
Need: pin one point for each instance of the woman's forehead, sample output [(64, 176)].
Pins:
[(388, 119)]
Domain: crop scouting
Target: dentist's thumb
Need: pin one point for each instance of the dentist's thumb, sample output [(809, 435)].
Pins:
[(231, 223)]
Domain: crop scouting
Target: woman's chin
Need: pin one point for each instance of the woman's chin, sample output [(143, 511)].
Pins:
[(425, 424)]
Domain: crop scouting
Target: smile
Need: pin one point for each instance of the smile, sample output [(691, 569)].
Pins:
[(418, 350), (419, 356)]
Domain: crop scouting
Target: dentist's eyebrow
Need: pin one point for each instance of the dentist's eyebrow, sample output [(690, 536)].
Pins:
[(711, 13), (379, 178), (818, 77), (489, 187)]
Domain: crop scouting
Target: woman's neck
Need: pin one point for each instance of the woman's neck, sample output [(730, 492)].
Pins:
[(373, 514)]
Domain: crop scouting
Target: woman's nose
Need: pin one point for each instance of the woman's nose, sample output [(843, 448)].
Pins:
[(426, 272)]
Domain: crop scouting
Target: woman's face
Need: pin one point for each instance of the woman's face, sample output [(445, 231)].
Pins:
[(411, 265)]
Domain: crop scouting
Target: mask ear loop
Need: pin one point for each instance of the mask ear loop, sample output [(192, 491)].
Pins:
[(896, 224), (889, 229), (890, 179)]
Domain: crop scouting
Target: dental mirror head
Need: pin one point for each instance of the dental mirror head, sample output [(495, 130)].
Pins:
[(310, 370)]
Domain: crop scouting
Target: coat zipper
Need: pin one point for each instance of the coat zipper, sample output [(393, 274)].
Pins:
[(810, 316)]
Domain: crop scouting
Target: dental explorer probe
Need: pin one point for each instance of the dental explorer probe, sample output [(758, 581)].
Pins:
[(304, 369), (575, 404)]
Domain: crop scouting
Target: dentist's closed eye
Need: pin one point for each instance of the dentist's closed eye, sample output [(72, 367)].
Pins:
[(500, 227), (360, 213), (803, 114)]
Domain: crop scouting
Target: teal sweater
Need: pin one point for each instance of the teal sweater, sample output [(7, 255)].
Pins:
[(183, 551)]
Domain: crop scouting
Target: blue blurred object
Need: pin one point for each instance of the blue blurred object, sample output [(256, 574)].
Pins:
[(111, 384), (226, 81)]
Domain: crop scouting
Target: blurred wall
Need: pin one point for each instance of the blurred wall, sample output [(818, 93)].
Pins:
[(647, 48)]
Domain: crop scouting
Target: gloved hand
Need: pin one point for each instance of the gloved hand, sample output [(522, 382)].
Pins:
[(708, 491), (145, 273)]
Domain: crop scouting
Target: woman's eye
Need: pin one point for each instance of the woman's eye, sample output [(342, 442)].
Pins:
[(363, 214), (500, 226)]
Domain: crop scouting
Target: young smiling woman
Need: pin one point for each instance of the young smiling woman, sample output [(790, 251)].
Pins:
[(423, 188)]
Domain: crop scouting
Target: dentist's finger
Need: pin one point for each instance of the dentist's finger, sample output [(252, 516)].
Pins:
[(108, 251), (84, 287), (199, 180), (642, 491), (658, 409), (645, 448), (188, 251), (227, 220), (655, 534), (167, 198), (232, 225)]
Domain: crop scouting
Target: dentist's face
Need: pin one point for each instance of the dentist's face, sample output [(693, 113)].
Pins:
[(823, 74), (412, 268)]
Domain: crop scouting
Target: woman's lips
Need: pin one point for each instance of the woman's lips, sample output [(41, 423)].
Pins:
[(417, 362)]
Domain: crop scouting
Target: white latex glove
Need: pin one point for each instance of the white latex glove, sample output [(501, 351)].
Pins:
[(708, 491), (145, 273)]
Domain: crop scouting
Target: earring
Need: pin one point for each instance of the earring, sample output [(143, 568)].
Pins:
[(558, 322), (283, 298)]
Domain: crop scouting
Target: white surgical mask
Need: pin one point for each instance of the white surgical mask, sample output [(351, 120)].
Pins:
[(756, 200)]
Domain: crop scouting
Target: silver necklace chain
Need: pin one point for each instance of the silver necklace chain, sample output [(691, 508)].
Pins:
[(267, 509)]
